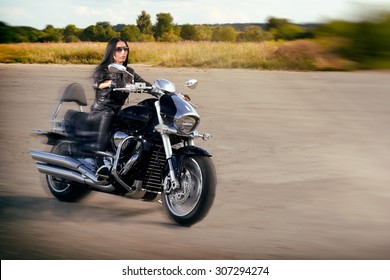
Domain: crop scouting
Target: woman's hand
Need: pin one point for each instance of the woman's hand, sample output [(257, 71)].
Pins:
[(106, 84), (112, 84), (117, 84)]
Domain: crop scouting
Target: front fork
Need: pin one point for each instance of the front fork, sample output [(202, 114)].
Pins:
[(173, 183)]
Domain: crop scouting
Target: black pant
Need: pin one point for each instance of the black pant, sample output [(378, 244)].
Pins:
[(104, 131)]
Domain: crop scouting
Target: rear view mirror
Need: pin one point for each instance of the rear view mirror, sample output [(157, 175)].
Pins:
[(119, 69), (192, 84)]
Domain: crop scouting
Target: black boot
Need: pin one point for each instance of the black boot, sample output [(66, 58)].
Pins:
[(103, 138)]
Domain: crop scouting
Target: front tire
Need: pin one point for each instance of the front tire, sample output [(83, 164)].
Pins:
[(193, 200), (62, 189)]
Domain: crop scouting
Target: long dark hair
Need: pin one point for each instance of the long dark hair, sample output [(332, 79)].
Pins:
[(108, 57)]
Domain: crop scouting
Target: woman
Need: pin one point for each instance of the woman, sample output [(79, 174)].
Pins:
[(107, 101)]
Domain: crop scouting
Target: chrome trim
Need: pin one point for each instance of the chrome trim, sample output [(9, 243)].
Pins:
[(173, 182), (165, 86), (68, 168), (64, 161), (74, 176), (204, 136), (129, 164), (137, 192), (119, 136)]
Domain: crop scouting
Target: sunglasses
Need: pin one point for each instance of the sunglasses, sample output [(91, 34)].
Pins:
[(120, 49)]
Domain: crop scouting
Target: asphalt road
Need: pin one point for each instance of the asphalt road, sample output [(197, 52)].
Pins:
[(302, 159)]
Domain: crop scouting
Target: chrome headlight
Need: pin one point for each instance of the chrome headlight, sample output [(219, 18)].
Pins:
[(186, 124)]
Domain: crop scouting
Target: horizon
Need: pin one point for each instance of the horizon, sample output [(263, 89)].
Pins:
[(226, 23)]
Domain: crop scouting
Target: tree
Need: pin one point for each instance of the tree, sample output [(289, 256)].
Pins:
[(89, 34), (118, 27), (10, 34), (71, 33), (274, 22), (336, 28), (170, 37), (188, 32), (224, 34), (195, 32), (371, 40), (253, 33), (144, 23), (366, 41), (146, 38), (288, 32), (282, 29), (163, 25), (203, 33), (105, 31), (51, 34), (130, 33), (6, 34)]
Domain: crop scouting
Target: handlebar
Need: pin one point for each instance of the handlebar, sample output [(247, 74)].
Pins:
[(136, 88), (152, 90)]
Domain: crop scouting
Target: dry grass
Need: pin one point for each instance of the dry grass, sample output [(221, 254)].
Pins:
[(296, 55), (58, 53), (309, 55)]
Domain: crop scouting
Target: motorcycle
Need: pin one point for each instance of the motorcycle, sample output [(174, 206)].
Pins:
[(152, 155)]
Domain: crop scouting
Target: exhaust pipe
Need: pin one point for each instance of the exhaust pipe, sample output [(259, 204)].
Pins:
[(68, 168), (74, 176), (61, 173), (45, 157)]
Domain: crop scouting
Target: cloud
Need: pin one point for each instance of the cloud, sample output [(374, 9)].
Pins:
[(81, 10), (12, 13), (114, 14), (89, 12)]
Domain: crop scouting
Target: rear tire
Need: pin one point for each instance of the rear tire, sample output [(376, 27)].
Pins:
[(193, 200), (62, 189)]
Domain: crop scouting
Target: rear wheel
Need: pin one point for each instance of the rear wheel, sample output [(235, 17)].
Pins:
[(62, 189), (193, 200)]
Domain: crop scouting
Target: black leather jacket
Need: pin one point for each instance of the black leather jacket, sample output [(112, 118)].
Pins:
[(107, 99)]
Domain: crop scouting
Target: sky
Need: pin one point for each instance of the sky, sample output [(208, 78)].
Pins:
[(83, 13)]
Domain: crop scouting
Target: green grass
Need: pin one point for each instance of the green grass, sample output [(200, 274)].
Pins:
[(295, 55)]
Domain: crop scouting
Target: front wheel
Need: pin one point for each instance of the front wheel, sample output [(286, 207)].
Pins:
[(62, 189), (193, 200)]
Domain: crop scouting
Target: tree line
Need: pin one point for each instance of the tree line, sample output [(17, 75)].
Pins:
[(163, 30)]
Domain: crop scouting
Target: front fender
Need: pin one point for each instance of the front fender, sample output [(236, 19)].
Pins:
[(179, 154), (191, 150)]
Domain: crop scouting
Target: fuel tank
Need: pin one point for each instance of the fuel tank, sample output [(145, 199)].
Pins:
[(135, 117)]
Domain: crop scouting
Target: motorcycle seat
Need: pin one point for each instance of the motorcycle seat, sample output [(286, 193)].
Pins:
[(81, 124)]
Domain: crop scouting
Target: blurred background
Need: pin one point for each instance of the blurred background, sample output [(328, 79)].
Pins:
[(348, 35)]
